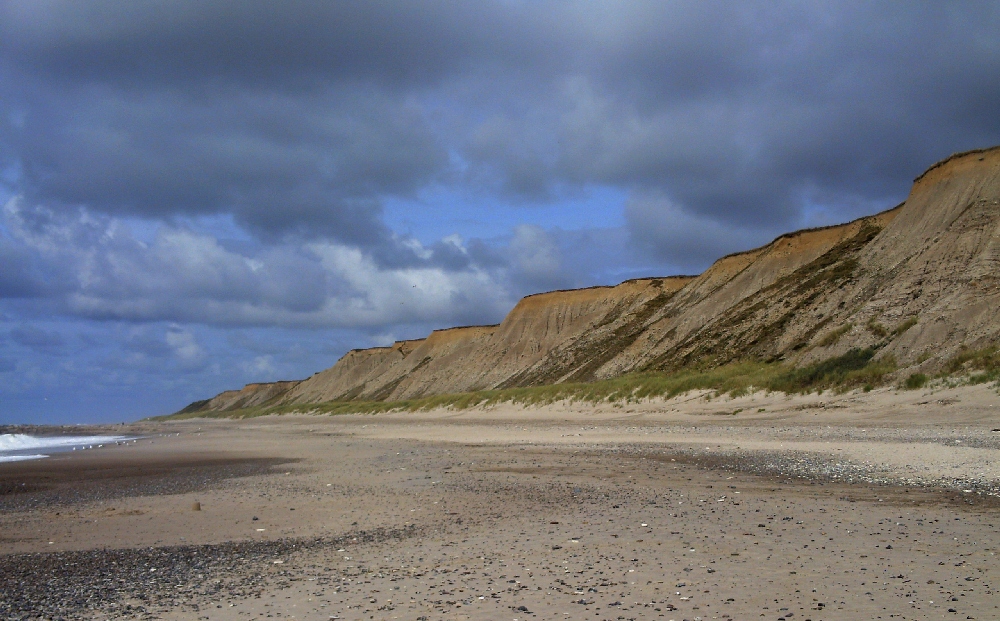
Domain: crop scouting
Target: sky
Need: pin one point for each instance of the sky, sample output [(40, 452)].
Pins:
[(197, 195)]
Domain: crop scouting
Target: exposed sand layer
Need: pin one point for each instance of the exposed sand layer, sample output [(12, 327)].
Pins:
[(871, 506)]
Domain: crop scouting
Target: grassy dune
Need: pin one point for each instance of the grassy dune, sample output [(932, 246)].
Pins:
[(858, 368), (855, 369)]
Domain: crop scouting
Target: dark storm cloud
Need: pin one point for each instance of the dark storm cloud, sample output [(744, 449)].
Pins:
[(746, 114), (298, 117), (723, 123), (294, 44), (136, 118), (313, 165)]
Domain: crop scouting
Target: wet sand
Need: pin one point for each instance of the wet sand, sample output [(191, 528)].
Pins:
[(556, 513)]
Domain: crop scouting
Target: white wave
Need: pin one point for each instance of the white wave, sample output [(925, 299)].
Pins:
[(4, 458), (10, 442)]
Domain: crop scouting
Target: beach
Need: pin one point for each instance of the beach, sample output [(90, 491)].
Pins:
[(857, 506)]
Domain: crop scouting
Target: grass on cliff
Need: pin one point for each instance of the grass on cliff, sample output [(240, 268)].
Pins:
[(855, 369), (975, 366)]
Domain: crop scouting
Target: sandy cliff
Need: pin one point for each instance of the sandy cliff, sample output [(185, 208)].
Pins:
[(521, 350), (919, 281), (251, 395)]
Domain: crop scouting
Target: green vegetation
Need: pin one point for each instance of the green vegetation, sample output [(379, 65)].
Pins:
[(882, 332), (831, 338), (915, 381), (833, 267), (903, 327), (856, 368), (877, 329), (979, 365)]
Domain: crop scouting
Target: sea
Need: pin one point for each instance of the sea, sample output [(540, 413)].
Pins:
[(21, 447)]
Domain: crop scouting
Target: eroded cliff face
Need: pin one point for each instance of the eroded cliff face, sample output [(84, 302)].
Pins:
[(757, 305), (348, 378), (938, 263), (399, 372), (518, 351), (919, 281), (251, 395)]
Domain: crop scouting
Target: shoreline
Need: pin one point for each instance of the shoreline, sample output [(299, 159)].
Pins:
[(476, 515)]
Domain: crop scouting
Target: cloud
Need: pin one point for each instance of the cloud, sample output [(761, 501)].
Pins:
[(185, 348), (20, 276), (300, 119), (292, 45), (308, 165), (38, 339), (682, 238), (744, 119), (537, 259), (108, 273), (372, 296), (200, 186), (260, 366)]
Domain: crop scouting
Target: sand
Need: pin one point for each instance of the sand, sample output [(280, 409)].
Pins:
[(860, 506)]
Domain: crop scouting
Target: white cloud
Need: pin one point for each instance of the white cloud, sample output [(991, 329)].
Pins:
[(185, 347), (536, 258), (181, 275), (260, 366), (378, 296), (535, 252)]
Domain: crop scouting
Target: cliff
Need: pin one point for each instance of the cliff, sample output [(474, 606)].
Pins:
[(251, 395), (919, 281), (524, 345)]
